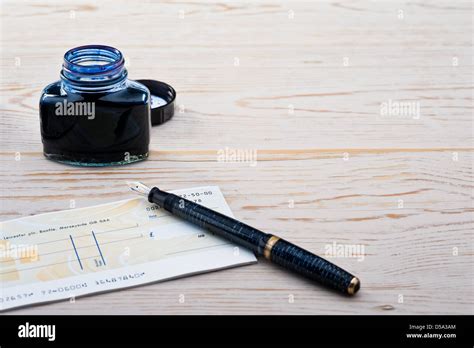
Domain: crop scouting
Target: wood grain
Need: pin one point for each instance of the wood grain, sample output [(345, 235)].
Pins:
[(306, 95)]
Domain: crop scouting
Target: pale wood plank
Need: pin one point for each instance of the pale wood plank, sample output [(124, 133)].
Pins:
[(408, 251), (293, 101)]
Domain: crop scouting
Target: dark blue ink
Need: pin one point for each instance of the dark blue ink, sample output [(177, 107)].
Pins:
[(95, 115)]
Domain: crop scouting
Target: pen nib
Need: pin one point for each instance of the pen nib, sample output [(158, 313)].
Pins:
[(139, 188)]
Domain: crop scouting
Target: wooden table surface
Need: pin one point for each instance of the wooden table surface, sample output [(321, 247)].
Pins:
[(312, 88)]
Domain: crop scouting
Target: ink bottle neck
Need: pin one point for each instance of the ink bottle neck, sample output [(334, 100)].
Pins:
[(93, 69)]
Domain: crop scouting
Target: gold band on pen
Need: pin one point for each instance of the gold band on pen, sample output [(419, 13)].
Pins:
[(354, 286), (267, 252)]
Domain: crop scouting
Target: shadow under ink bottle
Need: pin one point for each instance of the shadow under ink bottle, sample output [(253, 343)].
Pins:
[(95, 115)]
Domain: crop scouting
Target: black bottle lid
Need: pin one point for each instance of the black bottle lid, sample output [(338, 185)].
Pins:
[(162, 100)]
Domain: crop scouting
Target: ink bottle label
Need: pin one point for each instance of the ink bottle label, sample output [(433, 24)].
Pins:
[(95, 115)]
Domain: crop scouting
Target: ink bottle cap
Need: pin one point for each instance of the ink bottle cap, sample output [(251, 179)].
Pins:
[(162, 100)]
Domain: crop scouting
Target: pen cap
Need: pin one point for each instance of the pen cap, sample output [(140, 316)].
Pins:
[(310, 265), (162, 100)]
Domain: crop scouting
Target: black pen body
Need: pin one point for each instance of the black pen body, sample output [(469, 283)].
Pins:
[(270, 246), (211, 220)]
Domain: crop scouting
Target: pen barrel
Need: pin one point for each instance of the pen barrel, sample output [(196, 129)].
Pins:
[(310, 265), (212, 221)]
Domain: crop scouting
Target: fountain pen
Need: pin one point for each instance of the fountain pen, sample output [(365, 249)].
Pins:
[(273, 248)]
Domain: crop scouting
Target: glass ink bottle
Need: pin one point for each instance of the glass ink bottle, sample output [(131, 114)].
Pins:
[(94, 115)]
